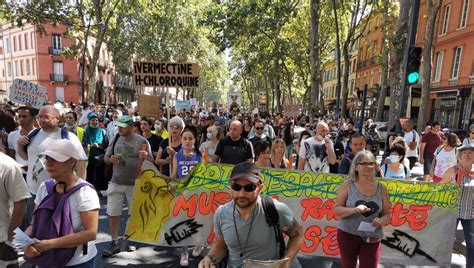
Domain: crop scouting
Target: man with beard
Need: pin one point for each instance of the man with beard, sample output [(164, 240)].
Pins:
[(241, 227)]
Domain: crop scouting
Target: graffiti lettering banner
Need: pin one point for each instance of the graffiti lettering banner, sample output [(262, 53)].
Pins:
[(421, 230)]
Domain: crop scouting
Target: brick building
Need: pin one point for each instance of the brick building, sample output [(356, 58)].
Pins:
[(452, 80), (37, 58)]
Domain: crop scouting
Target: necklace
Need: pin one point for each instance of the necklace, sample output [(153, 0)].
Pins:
[(244, 251)]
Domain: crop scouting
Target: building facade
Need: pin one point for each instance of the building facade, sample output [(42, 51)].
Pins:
[(452, 61), (37, 58)]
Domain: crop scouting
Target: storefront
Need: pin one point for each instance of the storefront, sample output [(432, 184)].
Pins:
[(453, 108)]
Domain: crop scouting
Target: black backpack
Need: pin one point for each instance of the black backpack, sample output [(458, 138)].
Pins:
[(273, 219)]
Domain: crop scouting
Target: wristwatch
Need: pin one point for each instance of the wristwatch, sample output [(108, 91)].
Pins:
[(212, 259)]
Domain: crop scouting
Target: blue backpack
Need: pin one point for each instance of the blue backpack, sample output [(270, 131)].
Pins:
[(52, 219), (32, 134)]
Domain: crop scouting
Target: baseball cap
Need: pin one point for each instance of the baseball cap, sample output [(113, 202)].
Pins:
[(466, 147), (248, 171), (62, 150), (124, 121)]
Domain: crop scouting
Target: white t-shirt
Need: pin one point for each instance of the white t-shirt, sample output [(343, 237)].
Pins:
[(315, 155), (409, 139), (12, 139), (444, 160), (84, 199), (13, 188), (36, 171)]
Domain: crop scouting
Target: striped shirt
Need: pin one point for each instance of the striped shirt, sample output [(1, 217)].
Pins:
[(466, 206)]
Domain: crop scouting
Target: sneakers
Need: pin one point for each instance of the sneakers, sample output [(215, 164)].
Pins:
[(184, 261), (197, 251), (115, 248)]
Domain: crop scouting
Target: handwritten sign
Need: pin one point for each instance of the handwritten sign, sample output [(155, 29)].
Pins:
[(182, 104), (149, 105), (24, 92), (211, 96), (423, 214), (166, 74)]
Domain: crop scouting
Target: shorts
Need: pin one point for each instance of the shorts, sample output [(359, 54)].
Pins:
[(115, 195), (427, 165)]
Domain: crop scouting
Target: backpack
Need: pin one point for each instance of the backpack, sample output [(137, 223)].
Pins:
[(52, 219), (32, 134), (273, 219)]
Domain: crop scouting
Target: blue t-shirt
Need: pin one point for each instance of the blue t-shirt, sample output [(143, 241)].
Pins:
[(186, 163), (400, 174)]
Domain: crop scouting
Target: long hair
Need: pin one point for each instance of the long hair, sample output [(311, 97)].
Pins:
[(357, 159), (193, 131), (277, 142)]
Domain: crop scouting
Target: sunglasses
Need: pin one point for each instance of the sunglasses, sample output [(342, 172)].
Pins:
[(367, 164), (248, 188), (259, 128)]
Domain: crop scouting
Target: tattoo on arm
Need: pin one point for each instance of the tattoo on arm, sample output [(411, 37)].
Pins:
[(294, 230)]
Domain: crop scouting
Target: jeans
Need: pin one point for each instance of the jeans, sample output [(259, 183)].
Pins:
[(88, 264), (468, 229), (426, 167)]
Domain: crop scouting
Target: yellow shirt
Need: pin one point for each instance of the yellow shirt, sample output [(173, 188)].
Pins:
[(164, 134)]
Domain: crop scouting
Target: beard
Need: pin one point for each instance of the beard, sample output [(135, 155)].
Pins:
[(244, 202)]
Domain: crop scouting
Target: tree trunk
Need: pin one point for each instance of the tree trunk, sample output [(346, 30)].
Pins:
[(385, 48), (314, 58), (396, 60), (345, 83), (433, 7)]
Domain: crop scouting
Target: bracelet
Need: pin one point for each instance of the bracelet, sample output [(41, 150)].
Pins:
[(212, 259)]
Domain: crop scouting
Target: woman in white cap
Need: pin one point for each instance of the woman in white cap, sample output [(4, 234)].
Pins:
[(61, 157)]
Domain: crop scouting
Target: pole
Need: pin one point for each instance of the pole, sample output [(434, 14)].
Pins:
[(362, 109), (338, 55), (415, 9)]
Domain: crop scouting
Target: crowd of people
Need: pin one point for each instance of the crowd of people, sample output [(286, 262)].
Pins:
[(101, 147)]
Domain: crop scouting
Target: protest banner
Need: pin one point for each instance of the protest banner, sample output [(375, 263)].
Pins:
[(291, 109), (193, 102), (234, 101), (211, 96), (182, 104), (25, 92), (149, 105), (171, 213), (165, 74)]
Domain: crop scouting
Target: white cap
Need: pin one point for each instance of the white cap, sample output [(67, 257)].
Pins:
[(62, 150)]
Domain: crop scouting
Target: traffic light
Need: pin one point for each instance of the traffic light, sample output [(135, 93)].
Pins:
[(413, 65)]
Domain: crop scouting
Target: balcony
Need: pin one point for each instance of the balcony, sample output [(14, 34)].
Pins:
[(452, 81), (471, 79), (58, 78), (54, 51)]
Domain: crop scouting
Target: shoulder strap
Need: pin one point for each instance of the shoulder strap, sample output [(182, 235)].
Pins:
[(64, 134), (49, 184), (385, 168), (405, 169), (414, 135), (77, 187), (273, 219), (33, 133), (117, 136)]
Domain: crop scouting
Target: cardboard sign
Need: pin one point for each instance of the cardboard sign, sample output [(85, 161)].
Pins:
[(25, 92), (211, 96), (421, 230), (165, 74), (291, 110), (182, 104), (149, 105)]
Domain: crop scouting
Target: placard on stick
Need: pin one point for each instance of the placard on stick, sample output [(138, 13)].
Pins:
[(25, 92), (149, 105), (166, 74)]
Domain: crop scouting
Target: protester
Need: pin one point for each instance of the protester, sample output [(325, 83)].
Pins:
[(356, 144), (153, 139), (412, 139), (95, 143), (214, 135), (278, 157), (262, 151), (167, 150), (124, 154), (429, 143), (70, 125), (395, 169), (241, 228), (444, 157), (373, 139), (26, 117), (61, 157), (352, 206), (470, 136), (259, 135), (247, 126), (111, 128), (234, 149), (13, 195), (463, 174), (316, 153), (160, 129)]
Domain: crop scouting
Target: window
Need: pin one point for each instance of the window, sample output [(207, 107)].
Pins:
[(447, 10), (16, 68), (26, 41), (33, 66), (464, 12), (59, 93), (27, 66), (456, 62), (7, 45), (21, 68), (10, 71), (57, 41), (32, 40), (439, 65), (14, 43), (58, 71), (20, 43)]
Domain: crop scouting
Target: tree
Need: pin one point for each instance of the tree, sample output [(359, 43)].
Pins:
[(433, 7), (315, 58)]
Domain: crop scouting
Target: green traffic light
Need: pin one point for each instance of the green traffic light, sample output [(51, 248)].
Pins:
[(413, 77)]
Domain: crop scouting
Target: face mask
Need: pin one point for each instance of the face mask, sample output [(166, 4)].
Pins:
[(110, 113), (394, 158), (334, 129), (320, 137), (158, 127), (209, 136)]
